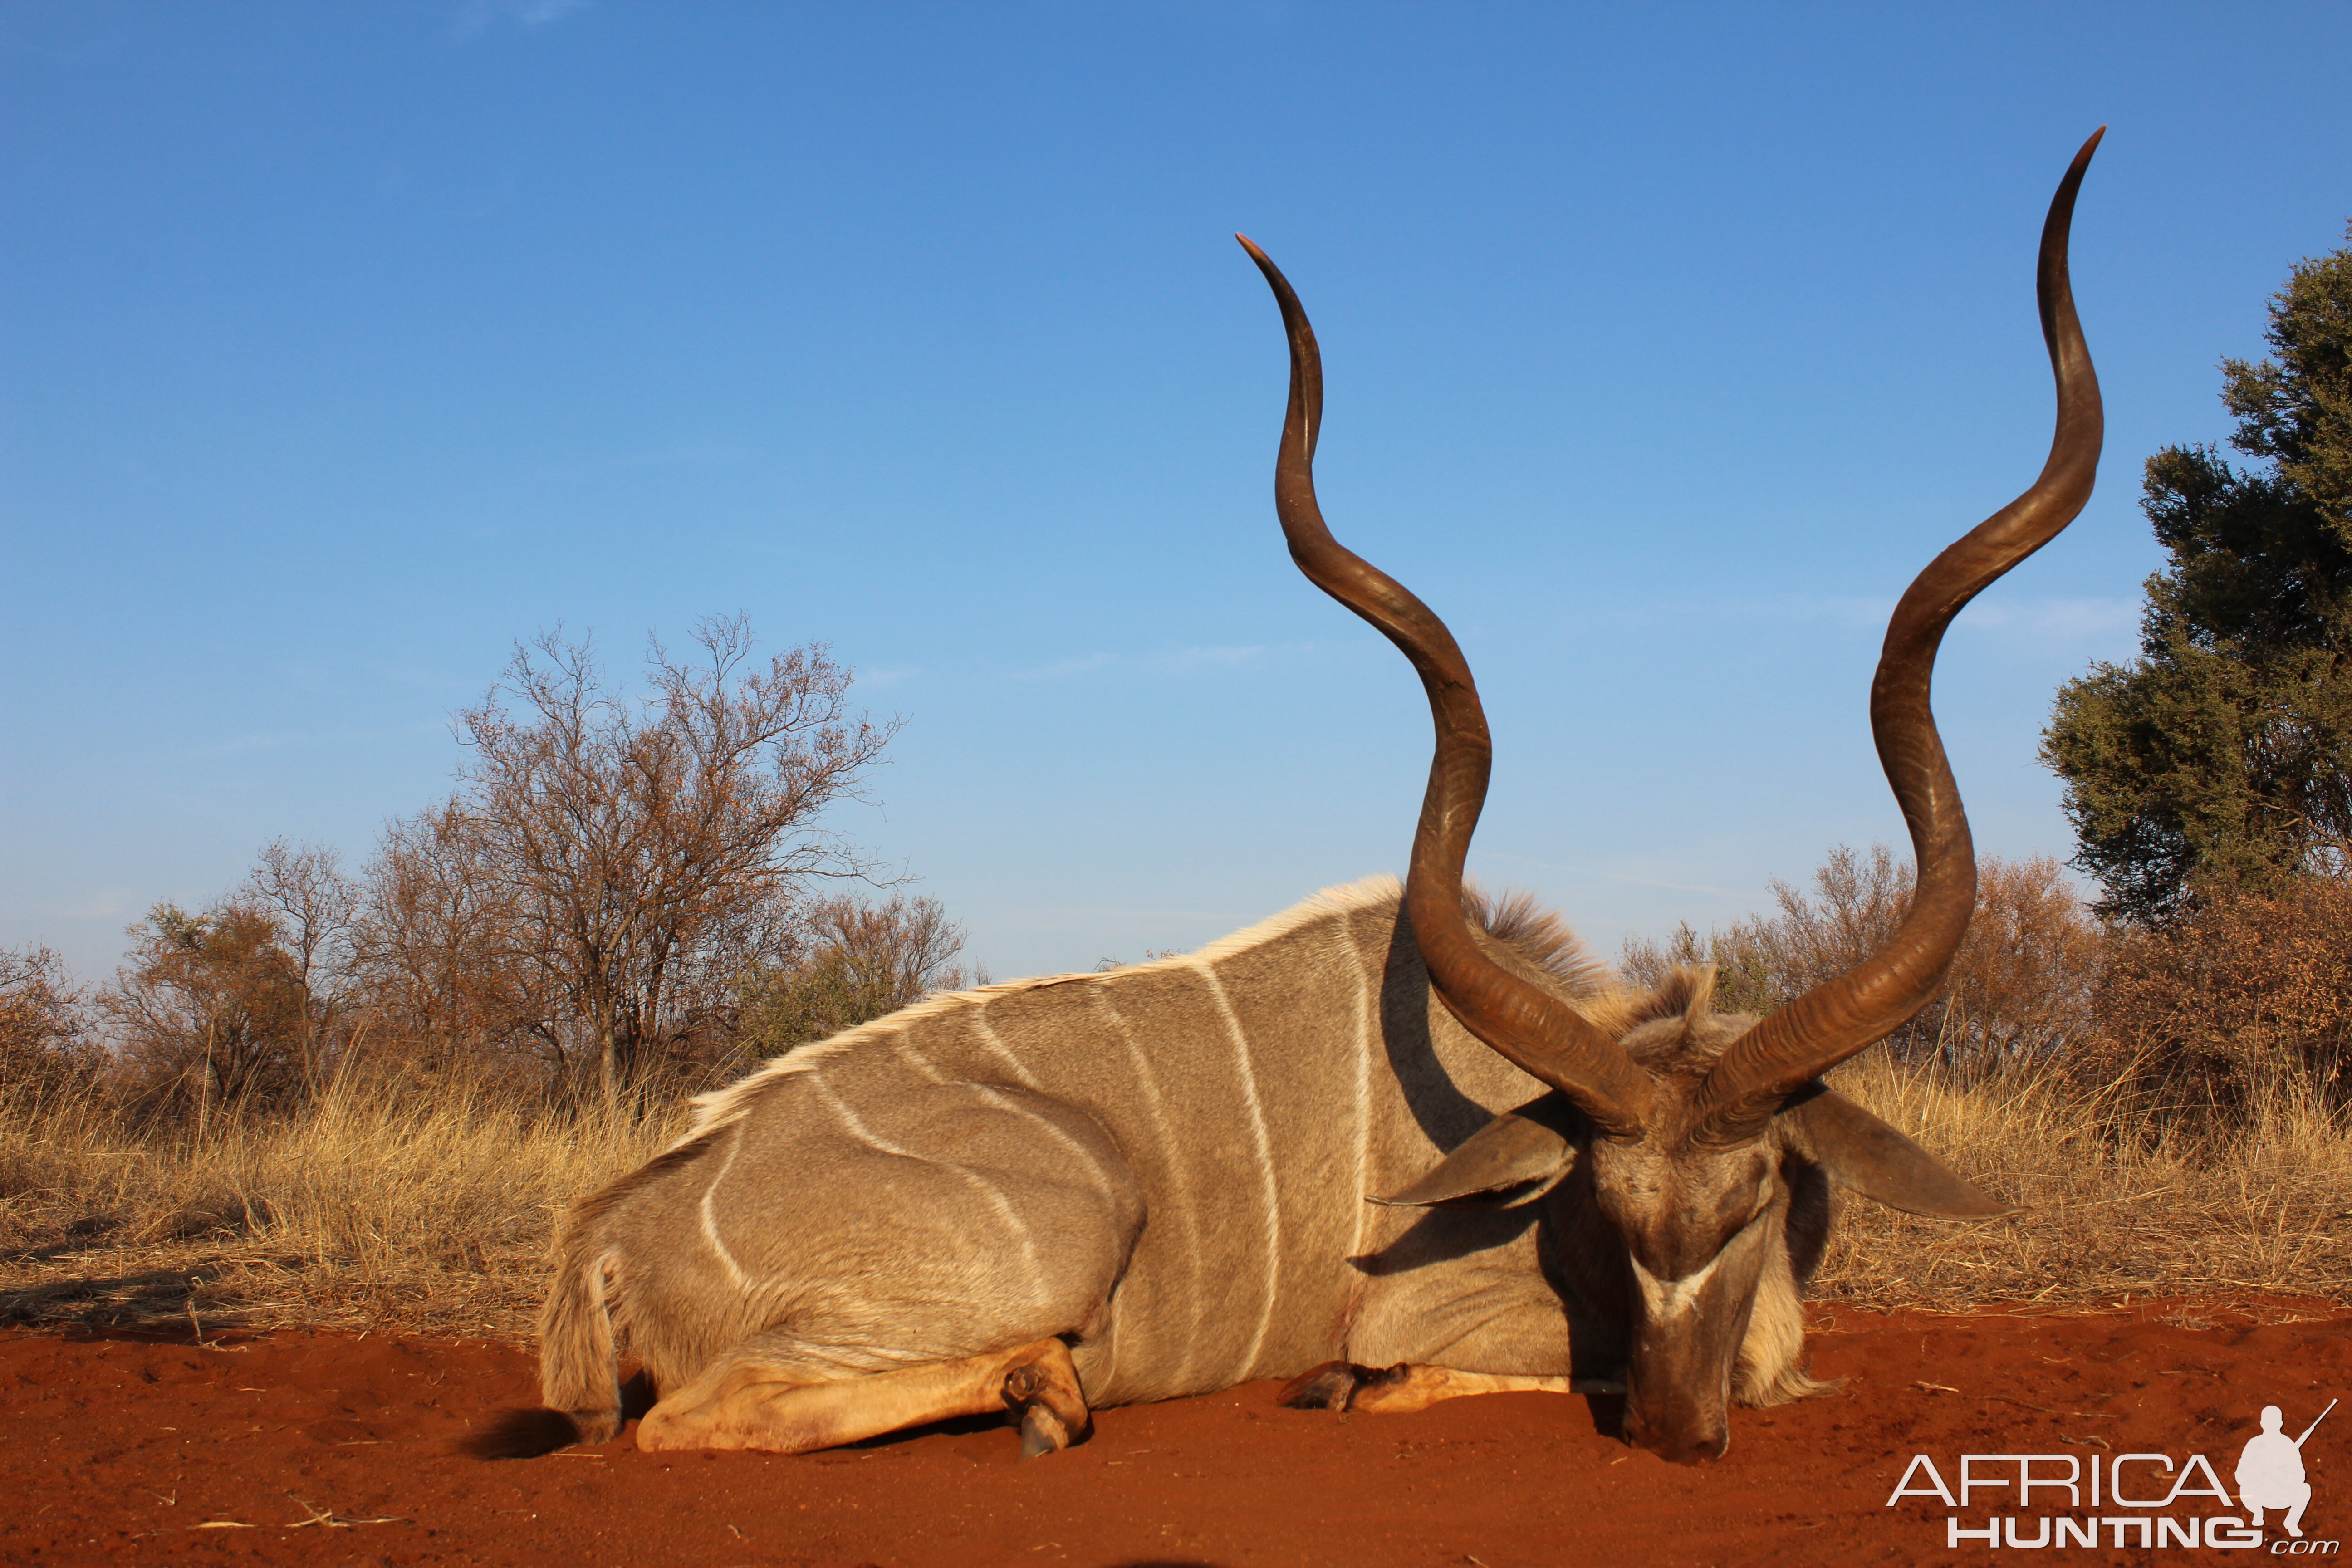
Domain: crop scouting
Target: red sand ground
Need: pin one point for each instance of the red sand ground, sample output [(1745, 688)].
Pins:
[(336, 1450)]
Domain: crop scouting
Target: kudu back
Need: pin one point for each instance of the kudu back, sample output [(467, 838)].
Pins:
[(1090, 1189)]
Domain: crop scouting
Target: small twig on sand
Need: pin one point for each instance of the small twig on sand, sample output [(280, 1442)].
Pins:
[(331, 1520)]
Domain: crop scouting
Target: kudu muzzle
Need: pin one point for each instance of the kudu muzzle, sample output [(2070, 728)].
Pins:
[(1687, 1349)]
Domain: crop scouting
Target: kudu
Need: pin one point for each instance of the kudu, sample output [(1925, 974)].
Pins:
[(1096, 1189)]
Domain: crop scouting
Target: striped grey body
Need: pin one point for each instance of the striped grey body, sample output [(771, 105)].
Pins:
[(1168, 1163)]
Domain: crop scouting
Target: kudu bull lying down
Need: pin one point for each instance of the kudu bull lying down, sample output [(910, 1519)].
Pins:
[(1099, 1189)]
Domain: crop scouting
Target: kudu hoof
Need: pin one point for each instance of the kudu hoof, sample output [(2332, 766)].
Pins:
[(1053, 1417), (1331, 1386)]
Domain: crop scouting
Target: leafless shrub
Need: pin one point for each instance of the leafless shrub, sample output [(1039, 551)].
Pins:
[(861, 961), (2020, 986), (313, 909), (46, 1037), (2244, 1002)]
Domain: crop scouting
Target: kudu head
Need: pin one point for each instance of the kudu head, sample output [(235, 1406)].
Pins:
[(1682, 1134)]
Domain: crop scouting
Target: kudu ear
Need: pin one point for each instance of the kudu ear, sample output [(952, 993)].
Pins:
[(1513, 1160), (1865, 1155)]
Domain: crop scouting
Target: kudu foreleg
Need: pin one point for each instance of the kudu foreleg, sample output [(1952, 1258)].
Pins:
[(744, 1402), (1408, 1386)]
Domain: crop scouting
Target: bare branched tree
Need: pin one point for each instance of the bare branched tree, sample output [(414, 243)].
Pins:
[(449, 957), (610, 867), (44, 1033), (315, 909)]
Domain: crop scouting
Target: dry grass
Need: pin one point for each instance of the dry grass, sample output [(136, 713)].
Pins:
[(424, 1210), (432, 1211), (2111, 1209)]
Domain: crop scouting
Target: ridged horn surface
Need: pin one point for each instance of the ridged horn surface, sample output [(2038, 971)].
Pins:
[(1534, 1030), (1839, 1017)]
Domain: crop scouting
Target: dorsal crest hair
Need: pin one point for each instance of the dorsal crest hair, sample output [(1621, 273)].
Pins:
[(1538, 937)]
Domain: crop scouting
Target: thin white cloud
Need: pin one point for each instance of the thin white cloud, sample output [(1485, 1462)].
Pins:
[(478, 17), (278, 740), (1626, 877), (1199, 660), (1787, 609), (1062, 669), (2054, 616), (100, 904), (1191, 658), (1106, 912), (258, 742), (2049, 616)]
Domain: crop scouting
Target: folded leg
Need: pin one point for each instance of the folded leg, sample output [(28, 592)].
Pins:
[(745, 1402), (1343, 1385)]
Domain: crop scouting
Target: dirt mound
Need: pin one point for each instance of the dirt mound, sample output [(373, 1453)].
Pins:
[(304, 1448)]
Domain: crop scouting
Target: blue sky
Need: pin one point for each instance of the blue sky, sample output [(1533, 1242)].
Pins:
[(346, 345)]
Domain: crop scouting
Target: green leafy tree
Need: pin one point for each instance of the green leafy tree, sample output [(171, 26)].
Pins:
[(2225, 751)]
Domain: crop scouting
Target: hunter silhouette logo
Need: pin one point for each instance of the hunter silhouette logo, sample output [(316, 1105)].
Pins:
[(2156, 1501), (2270, 1471)]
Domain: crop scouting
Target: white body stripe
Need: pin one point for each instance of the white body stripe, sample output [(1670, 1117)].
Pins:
[(1013, 1102), (1179, 1175), (987, 1037), (1367, 1006), (988, 1189), (1265, 1151), (710, 1219)]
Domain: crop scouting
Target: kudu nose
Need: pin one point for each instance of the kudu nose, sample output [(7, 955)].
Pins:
[(1678, 1436), (1681, 1448)]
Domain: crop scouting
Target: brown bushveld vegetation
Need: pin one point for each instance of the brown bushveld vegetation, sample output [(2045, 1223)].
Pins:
[(611, 871), (2169, 1104), (333, 1098), (2020, 987)]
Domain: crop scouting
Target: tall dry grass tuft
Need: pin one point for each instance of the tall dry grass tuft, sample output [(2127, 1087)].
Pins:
[(424, 1206), (2113, 1202)]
